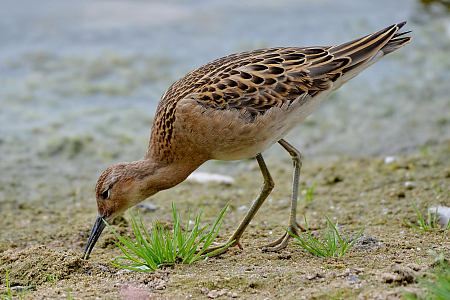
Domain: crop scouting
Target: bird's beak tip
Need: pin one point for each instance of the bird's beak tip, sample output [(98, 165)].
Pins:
[(96, 230)]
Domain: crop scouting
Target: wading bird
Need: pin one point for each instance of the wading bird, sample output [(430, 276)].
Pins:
[(235, 108)]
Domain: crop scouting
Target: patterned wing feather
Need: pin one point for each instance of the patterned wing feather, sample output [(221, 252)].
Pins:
[(255, 81)]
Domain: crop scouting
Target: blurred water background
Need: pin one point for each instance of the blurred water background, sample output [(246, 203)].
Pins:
[(80, 80)]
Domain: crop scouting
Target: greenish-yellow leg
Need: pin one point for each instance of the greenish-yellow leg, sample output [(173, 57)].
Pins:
[(266, 188), (293, 226)]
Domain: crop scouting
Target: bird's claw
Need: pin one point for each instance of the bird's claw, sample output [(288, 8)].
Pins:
[(282, 242)]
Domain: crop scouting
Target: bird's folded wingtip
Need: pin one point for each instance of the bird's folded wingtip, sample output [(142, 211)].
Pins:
[(400, 25)]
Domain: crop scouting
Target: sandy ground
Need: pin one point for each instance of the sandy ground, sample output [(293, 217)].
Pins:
[(48, 241), (79, 85)]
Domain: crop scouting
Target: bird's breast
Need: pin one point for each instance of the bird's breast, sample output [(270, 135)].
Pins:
[(228, 134)]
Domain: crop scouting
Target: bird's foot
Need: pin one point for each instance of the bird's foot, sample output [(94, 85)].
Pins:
[(282, 242), (223, 247)]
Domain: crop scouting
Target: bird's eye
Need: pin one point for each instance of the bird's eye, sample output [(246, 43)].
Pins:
[(105, 194)]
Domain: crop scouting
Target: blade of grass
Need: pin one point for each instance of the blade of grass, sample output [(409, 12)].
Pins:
[(159, 246), (420, 220), (334, 244)]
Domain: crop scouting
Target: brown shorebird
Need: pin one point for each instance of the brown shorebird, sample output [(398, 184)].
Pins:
[(235, 108)]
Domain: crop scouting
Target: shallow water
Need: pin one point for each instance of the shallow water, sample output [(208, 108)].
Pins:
[(68, 69)]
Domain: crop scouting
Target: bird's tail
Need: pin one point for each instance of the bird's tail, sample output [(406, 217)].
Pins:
[(367, 50), (396, 42)]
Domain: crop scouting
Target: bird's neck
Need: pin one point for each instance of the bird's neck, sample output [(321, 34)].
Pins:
[(157, 175), (169, 162)]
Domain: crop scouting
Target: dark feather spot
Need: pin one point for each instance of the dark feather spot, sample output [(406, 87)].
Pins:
[(231, 95), (296, 56), (205, 98), (258, 67), (257, 60), (276, 70), (242, 86), (287, 51), (221, 86), (234, 72), (257, 79), (216, 96), (281, 88), (253, 102), (297, 75), (273, 61), (270, 81), (245, 75), (261, 100), (231, 83), (204, 90), (271, 55), (212, 89), (251, 89), (312, 51)]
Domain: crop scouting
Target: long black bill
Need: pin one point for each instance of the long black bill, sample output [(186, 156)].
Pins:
[(97, 229)]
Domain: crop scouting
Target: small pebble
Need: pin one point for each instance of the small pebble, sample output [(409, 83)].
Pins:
[(215, 293), (243, 207), (410, 185), (390, 159), (147, 206), (443, 215)]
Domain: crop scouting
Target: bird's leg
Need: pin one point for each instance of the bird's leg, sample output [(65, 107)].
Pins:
[(266, 188), (293, 225)]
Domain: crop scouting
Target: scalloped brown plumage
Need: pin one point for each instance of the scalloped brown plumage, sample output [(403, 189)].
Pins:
[(235, 108)]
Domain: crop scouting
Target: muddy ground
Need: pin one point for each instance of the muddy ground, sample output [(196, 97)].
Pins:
[(43, 245)]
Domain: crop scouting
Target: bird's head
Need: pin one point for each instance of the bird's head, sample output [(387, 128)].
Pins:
[(120, 187)]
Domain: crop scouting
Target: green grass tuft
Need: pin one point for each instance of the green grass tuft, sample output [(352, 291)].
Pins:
[(161, 247), (310, 190), (52, 278), (425, 149), (333, 244), (430, 224), (68, 293), (438, 190)]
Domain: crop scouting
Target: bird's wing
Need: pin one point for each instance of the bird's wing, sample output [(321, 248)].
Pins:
[(255, 81)]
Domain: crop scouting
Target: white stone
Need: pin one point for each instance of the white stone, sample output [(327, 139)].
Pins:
[(390, 159), (203, 177)]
